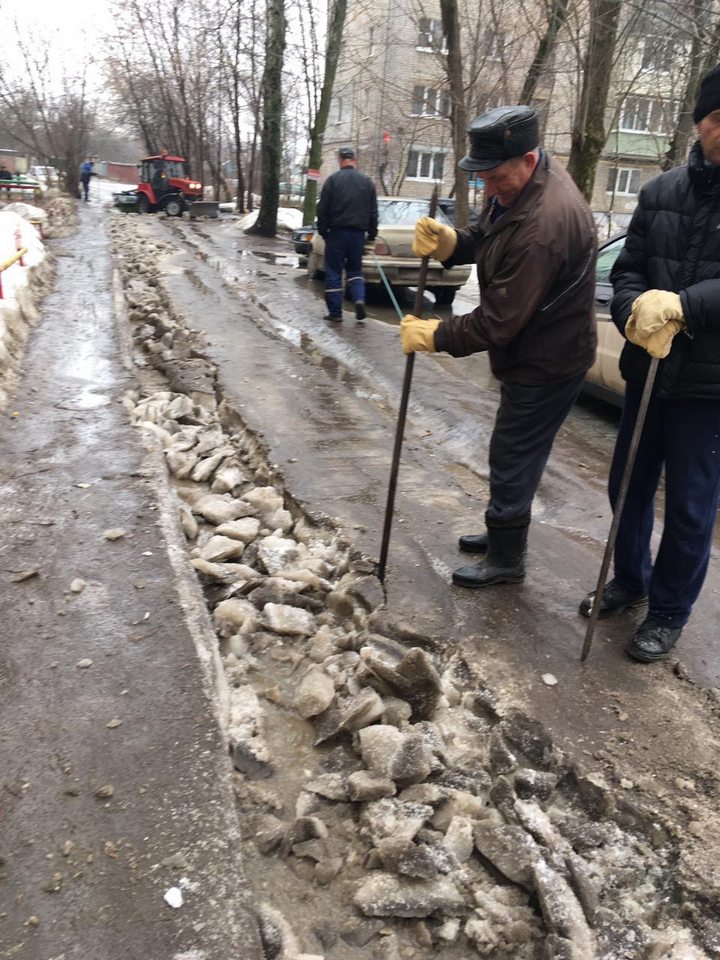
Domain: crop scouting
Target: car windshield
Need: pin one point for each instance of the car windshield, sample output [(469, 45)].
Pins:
[(606, 260), (406, 212)]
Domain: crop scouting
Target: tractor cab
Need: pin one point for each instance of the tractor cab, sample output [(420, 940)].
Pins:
[(166, 184)]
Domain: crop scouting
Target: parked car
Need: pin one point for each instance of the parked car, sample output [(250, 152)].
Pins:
[(603, 379), (47, 176), (447, 205), (302, 240), (392, 249)]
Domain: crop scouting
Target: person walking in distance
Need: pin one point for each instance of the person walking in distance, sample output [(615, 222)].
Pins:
[(86, 172), (346, 214), (535, 247), (666, 302)]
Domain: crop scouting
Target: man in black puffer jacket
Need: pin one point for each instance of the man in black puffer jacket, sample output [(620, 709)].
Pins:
[(667, 303)]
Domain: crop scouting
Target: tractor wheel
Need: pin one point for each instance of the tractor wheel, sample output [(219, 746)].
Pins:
[(444, 296), (174, 207), (143, 204)]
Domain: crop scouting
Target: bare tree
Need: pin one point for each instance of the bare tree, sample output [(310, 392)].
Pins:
[(458, 112), (266, 223), (589, 134)]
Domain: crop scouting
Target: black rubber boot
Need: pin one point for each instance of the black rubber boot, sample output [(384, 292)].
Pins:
[(505, 558), (473, 542), (652, 641)]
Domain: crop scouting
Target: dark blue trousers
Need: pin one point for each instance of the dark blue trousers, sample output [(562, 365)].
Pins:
[(343, 250), (527, 421), (683, 436)]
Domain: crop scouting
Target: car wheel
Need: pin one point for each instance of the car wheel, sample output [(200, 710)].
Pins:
[(444, 296), (143, 204), (174, 207), (313, 270)]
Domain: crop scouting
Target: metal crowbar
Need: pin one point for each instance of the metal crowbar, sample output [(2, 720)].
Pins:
[(619, 504), (402, 413)]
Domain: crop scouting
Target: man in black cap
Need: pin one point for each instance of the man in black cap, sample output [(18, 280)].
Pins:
[(667, 282), (535, 249), (346, 213)]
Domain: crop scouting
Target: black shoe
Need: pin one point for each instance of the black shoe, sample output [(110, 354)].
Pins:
[(652, 641), (329, 316), (615, 600), (504, 561), (473, 543), (360, 310)]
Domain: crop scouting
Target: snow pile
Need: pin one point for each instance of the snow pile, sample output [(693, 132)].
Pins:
[(26, 210), (16, 232), (18, 285), (288, 219)]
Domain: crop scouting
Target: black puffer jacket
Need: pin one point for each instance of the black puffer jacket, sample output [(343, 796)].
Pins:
[(348, 199), (674, 244)]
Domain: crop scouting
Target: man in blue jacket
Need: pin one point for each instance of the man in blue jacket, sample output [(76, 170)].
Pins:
[(86, 172), (346, 213), (667, 303)]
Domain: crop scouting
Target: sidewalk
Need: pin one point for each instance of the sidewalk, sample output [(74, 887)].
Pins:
[(115, 784)]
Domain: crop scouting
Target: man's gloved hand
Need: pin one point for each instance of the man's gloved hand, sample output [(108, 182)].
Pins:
[(658, 343), (652, 310), (433, 239), (418, 336), (656, 317)]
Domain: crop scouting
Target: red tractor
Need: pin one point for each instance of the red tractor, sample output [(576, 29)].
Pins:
[(165, 184)]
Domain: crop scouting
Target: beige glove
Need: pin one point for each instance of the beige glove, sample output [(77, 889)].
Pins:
[(433, 239), (418, 336), (658, 343), (652, 309)]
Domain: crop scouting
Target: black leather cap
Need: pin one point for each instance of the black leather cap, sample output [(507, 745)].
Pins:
[(346, 153), (499, 135)]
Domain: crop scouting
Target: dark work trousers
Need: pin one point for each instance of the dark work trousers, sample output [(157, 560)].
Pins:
[(684, 437), (525, 426), (85, 180), (343, 249)]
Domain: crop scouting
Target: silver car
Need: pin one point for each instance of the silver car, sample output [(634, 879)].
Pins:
[(604, 378), (392, 249)]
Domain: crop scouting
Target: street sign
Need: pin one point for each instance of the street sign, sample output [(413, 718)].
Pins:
[(313, 174)]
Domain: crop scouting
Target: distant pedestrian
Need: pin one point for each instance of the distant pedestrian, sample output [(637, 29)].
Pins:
[(5, 175), (666, 302), (86, 172), (346, 214)]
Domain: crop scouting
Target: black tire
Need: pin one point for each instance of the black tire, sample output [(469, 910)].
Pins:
[(143, 204), (174, 206), (444, 296)]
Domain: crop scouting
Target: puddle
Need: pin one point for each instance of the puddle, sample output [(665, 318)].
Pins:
[(279, 259)]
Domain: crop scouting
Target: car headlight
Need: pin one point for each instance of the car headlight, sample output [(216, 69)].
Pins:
[(381, 248)]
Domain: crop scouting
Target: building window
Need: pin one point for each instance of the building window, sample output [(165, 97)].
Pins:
[(371, 42), (425, 164), (429, 102), (659, 53), (624, 181), (431, 36), (645, 115), (366, 102)]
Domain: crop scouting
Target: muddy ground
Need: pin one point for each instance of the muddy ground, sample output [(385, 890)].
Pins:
[(601, 786)]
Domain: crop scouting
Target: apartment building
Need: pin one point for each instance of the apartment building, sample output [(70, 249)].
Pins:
[(391, 100)]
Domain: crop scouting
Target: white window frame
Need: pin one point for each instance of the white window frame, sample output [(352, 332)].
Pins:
[(435, 102), (656, 49), (623, 178), (494, 43), (430, 152), (642, 106), (371, 42)]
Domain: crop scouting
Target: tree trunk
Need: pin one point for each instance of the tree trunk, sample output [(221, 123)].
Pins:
[(557, 17), (317, 130), (458, 115), (704, 56), (271, 152), (588, 135)]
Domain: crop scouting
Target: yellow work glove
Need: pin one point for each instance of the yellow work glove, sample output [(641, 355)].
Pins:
[(658, 343), (656, 317), (418, 336), (434, 239), (652, 310)]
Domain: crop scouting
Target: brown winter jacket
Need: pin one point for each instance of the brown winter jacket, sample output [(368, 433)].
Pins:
[(535, 266)]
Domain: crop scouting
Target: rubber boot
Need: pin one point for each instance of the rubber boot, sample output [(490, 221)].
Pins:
[(505, 558), (473, 542)]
